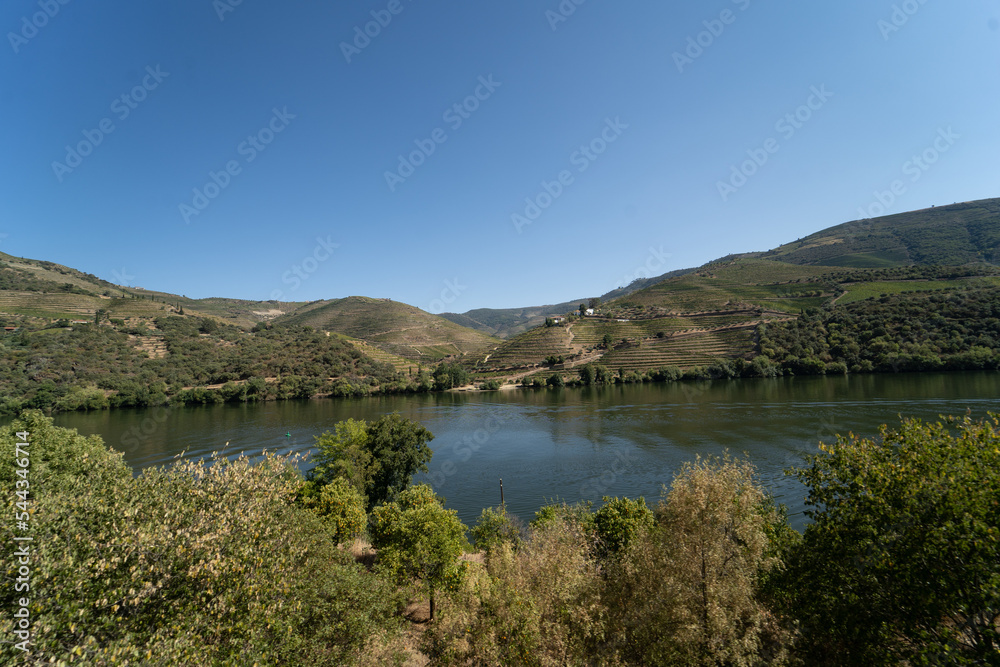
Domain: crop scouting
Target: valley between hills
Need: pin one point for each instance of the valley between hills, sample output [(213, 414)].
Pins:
[(907, 292)]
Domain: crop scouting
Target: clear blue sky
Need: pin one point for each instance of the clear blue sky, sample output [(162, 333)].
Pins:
[(200, 78)]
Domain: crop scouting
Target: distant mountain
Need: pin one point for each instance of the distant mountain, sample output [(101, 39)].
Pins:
[(508, 322), (964, 233), (396, 327)]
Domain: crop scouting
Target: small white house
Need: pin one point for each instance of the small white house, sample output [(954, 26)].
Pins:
[(589, 311)]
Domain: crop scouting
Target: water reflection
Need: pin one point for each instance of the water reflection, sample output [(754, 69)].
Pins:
[(570, 444)]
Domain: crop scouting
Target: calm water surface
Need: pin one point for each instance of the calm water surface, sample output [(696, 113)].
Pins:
[(570, 444)]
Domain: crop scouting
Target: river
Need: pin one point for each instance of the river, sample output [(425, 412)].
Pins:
[(574, 443)]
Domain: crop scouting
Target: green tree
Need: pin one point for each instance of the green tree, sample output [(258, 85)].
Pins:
[(902, 560), (449, 376), (341, 506), (399, 449), (619, 521), (417, 537), (344, 453), (378, 458)]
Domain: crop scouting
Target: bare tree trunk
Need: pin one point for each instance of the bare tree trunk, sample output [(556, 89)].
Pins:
[(432, 605)]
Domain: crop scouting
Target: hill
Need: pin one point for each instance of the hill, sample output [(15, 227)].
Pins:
[(397, 328), (684, 320), (953, 235), (693, 318), (43, 291)]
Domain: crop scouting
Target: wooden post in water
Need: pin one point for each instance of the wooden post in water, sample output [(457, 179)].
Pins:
[(501, 490)]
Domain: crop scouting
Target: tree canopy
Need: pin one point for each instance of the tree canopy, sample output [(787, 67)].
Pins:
[(417, 537), (378, 458), (902, 561)]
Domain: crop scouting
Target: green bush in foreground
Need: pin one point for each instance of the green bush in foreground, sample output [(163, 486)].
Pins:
[(194, 564), (902, 561), (619, 521)]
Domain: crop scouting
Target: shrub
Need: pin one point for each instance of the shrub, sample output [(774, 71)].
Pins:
[(340, 505), (686, 592), (496, 527), (900, 562), (82, 398), (619, 521), (537, 606), (195, 564)]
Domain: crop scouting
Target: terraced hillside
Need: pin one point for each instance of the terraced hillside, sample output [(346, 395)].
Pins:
[(589, 332), (401, 364), (527, 349), (394, 327), (681, 340), (48, 291), (739, 283), (682, 350), (508, 322)]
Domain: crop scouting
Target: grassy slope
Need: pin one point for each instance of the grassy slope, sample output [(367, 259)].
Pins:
[(742, 281), (958, 234), (861, 291), (42, 295), (395, 327)]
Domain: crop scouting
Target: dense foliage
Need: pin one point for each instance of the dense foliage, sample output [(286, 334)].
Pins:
[(449, 376), (377, 458), (417, 537), (958, 330), (902, 561), (188, 565), (341, 507), (91, 367)]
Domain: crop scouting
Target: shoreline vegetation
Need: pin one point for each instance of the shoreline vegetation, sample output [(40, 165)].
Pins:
[(241, 563), (97, 366)]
